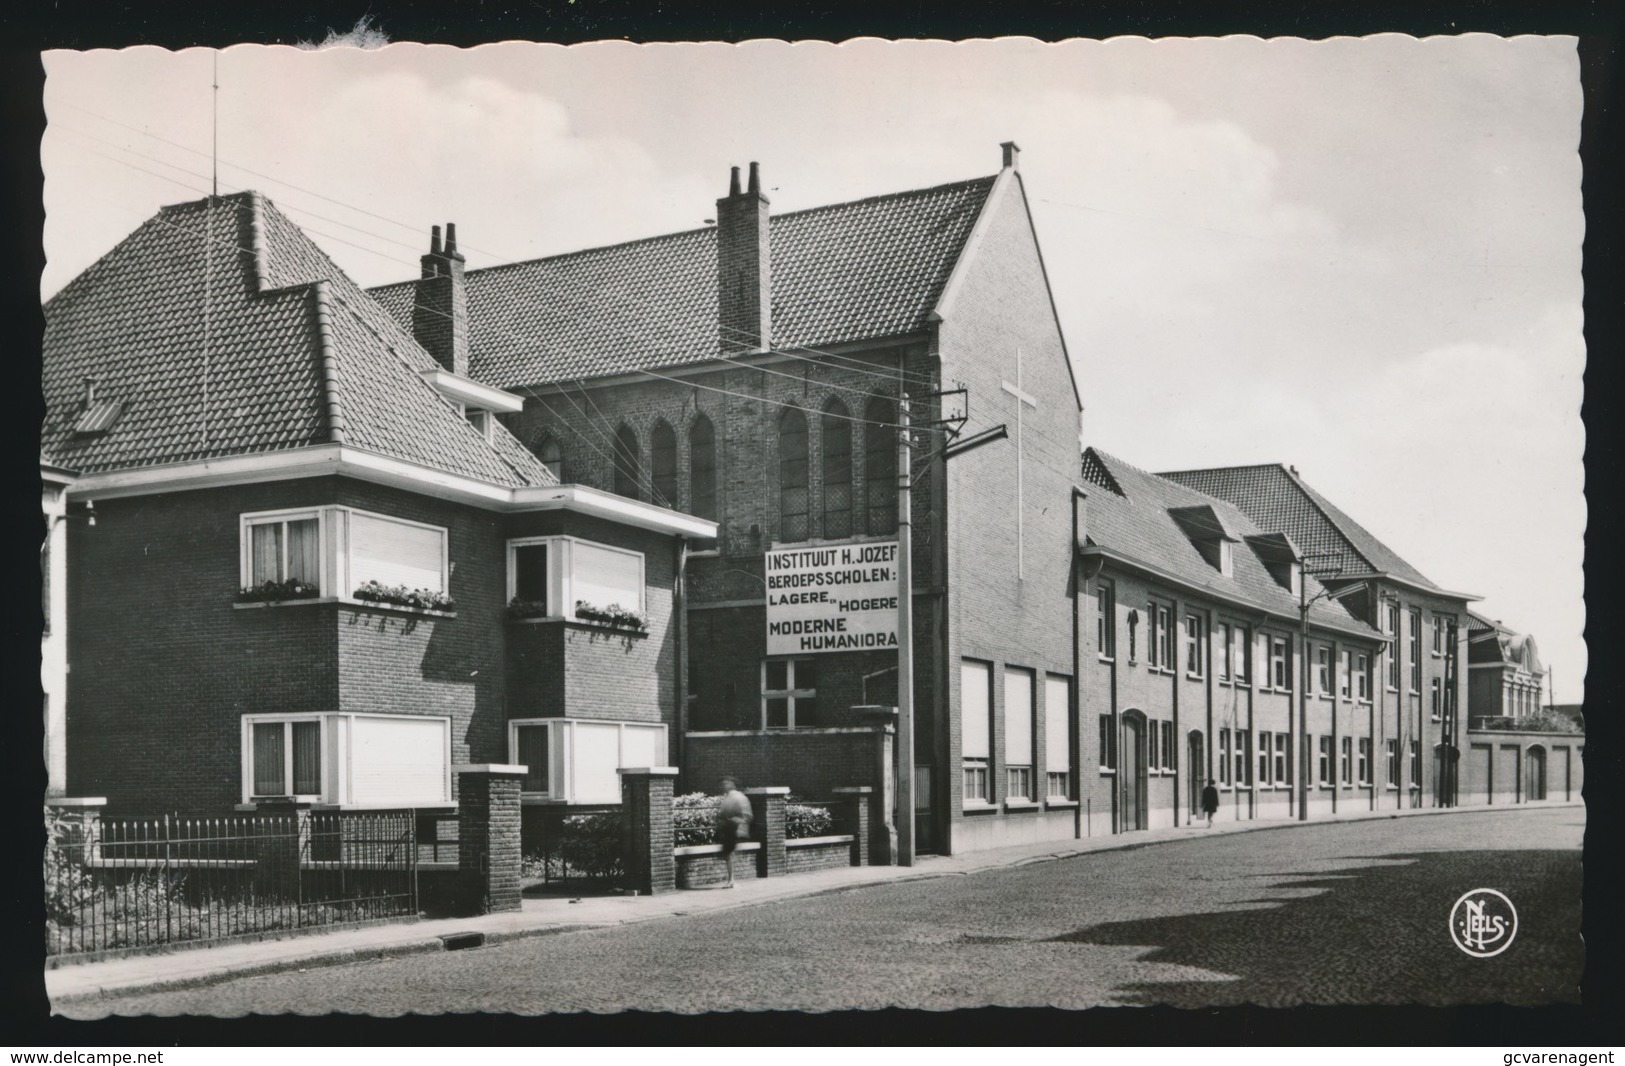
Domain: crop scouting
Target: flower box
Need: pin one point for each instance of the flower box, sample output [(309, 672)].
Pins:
[(401, 596), (615, 616), (277, 591)]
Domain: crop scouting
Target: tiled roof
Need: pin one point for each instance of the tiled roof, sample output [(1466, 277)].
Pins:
[(869, 268), (222, 330), (1137, 524), (1278, 499)]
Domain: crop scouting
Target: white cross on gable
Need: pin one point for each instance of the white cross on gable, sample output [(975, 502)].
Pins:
[(1022, 400)]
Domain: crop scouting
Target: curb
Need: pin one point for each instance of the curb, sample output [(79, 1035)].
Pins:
[(432, 944)]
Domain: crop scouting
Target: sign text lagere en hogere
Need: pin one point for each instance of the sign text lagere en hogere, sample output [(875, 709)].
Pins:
[(839, 598)]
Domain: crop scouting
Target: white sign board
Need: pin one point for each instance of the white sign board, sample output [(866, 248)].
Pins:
[(842, 598)]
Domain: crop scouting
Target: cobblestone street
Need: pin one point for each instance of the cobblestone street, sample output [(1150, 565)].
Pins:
[(1351, 913)]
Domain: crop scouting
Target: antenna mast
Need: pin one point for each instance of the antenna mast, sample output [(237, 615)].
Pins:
[(214, 155)]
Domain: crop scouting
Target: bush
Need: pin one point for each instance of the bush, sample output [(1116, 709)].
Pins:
[(694, 819), (586, 845), (1542, 722)]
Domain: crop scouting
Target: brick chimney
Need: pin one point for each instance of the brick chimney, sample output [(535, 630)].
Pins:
[(440, 305), (744, 267)]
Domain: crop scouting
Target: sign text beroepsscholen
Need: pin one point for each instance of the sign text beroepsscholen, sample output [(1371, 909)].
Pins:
[(841, 598)]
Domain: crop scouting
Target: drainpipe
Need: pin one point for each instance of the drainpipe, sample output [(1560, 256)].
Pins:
[(680, 616)]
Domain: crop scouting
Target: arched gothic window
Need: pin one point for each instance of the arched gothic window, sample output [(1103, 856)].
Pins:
[(793, 496), (552, 457), (627, 474), (880, 465), (837, 462), (663, 464), (702, 469)]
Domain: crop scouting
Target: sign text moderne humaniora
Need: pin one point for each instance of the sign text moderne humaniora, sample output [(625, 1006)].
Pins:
[(841, 598)]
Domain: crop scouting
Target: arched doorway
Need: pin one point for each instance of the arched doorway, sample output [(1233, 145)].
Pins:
[(1131, 771), (1534, 775), (1195, 772)]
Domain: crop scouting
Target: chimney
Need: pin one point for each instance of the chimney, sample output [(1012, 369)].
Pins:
[(744, 267), (440, 305), (1012, 155)]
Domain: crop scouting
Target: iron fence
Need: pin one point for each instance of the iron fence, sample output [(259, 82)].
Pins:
[(134, 883)]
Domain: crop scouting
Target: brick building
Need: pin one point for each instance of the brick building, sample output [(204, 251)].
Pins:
[(1211, 654), (750, 372), (1424, 668), (1505, 678), (309, 526)]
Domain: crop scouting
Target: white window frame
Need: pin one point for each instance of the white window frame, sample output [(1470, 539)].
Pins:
[(1345, 762), (346, 560), (1195, 645), (561, 750), (1325, 679), (1279, 680), (335, 760), (1345, 664), (790, 694), (1225, 766), (245, 542), (1362, 761), (1324, 762), (1108, 744), (561, 583), (1013, 769), (1391, 757), (1362, 686), (1106, 619)]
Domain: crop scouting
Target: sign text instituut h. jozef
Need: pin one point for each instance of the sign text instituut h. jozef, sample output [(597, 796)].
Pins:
[(841, 598)]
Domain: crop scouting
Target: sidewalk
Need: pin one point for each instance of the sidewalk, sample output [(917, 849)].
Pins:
[(559, 914)]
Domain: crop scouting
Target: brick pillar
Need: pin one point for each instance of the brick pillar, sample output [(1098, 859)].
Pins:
[(647, 835), (81, 820), (854, 818), (768, 826), (488, 836), (281, 835)]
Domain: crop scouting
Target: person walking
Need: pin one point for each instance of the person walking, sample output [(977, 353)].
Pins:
[(733, 823), (1210, 801)]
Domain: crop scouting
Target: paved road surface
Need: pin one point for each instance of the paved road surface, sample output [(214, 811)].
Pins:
[(1330, 914)]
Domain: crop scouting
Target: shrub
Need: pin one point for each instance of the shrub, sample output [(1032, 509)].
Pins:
[(802, 820), (518, 608), (694, 818), (1542, 722)]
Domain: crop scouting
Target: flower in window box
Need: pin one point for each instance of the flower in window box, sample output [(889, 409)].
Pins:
[(614, 615), (401, 596), (518, 608), (276, 591)]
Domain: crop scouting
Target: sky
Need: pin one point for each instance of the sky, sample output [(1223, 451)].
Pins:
[(1357, 256)]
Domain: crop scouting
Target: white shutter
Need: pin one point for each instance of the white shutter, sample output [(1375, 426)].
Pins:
[(594, 756), (604, 576), (395, 553), (643, 745), (398, 760), (1018, 717), (974, 713), (1057, 712)]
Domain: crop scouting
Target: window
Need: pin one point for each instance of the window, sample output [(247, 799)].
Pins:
[(1227, 558), (282, 547), (1391, 749), (1346, 666), (1283, 759), (836, 427), (1437, 699), (1224, 757), (1362, 677), (1345, 763), (1133, 634), (1325, 764), (340, 549), (702, 469), (1363, 768), (1166, 731), (663, 464), (1106, 620), (1108, 744), (552, 456), (1244, 655), (1416, 651), (793, 494), (1018, 733), (377, 760), (561, 572), (975, 727), (880, 465), (1224, 650), (1266, 748), (576, 759), (1244, 758), (1058, 736), (286, 759), (1280, 664), (1159, 639), (1416, 764), (628, 473), (1195, 645), (1438, 635), (789, 693), (480, 420), (1323, 670), (1390, 626)]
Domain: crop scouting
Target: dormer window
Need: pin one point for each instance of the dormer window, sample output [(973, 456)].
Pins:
[(1227, 558), (480, 420), (1209, 534), (1281, 558)]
